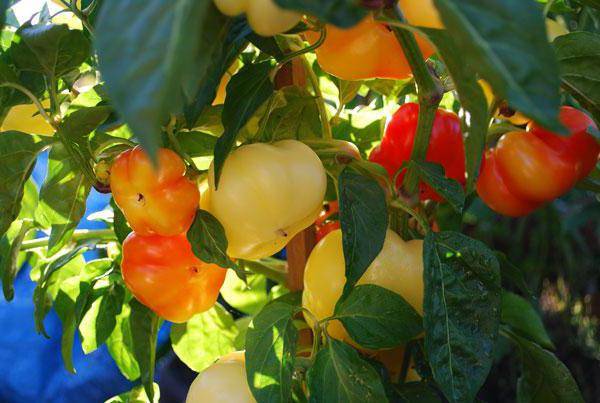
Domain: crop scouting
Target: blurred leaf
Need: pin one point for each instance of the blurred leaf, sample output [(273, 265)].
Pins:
[(513, 274), (178, 40), (364, 221), (196, 144), (343, 13), (204, 338), (523, 319), (377, 318), (462, 312), (120, 225), (10, 244), (579, 57), (339, 374), (416, 392), (515, 59)]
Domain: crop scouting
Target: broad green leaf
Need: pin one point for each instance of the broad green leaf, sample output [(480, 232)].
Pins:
[(377, 318), (471, 98), (462, 312), (246, 92), (204, 338), (339, 374), (248, 296), (231, 39), (523, 319), (343, 13), (347, 90), (136, 395), (510, 51), (294, 115), (545, 378), (50, 49), (62, 197), (144, 326), (208, 240), (579, 57), (99, 321), (120, 345), (18, 152), (434, 175), (178, 40), (271, 352), (364, 221)]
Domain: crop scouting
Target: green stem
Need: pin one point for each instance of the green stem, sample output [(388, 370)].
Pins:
[(319, 42), (78, 236), (314, 82), (398, 204), (175, 143), (33, 99), (429, 95), (111, 143)]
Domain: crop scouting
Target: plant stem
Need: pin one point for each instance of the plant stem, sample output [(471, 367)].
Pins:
[(175, 143), (319, 42), (314, 82), (78, 236), (398, 204), (429, 95), (33, 99)]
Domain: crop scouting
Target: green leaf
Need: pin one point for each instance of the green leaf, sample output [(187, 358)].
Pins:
[(271, 352), (347, 90), (120, 225), (10, 244), (74, 130), (232, 39), (523, 319), (579, 57), (204, 338), (377, 318), (62, 197), (208, 240), (545, 378), (416, 392), (136, 395), (144, 331), (197, 144), (462, 312), (246, 92), (364, 221), (471, 98), (18, 152), (434, 175), (343, 13), (248, 296), (514, 274), (510, 51), (178, 40), (120, 345), (340, 375), (99, 321), (53, 50)]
